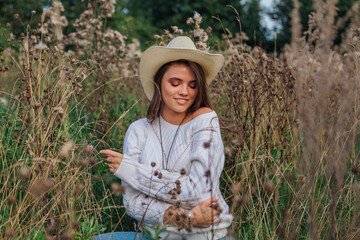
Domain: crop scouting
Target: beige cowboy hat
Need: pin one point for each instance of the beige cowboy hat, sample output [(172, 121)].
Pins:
[(179, 48)]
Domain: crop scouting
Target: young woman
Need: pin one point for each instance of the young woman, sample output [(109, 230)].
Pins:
[(173, 159)]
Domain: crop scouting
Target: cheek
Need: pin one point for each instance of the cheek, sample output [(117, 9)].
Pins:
[(194, 93), (166, 91)]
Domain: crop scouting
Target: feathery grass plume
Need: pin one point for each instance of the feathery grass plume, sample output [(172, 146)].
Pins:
[(327, 89)]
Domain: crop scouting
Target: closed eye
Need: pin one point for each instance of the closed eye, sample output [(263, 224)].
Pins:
[(193, 85), (175, 82)]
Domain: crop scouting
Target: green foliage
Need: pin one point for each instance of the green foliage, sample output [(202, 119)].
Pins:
[(151, 16), (158, 230), (88, 229)]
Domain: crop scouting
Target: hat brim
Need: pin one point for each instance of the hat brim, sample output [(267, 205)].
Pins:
[(155, 57)]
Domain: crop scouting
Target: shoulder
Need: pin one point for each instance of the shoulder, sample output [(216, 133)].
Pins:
[(138, 123), (205, 118), (201, 111), (138, 126), (136, 133)]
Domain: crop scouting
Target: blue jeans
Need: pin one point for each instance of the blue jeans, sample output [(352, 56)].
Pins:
[(125, 236), (120, 236)]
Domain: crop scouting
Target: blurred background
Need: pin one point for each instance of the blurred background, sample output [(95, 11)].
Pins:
[(140, 19)]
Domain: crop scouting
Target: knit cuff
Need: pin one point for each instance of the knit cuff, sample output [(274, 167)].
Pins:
[(127, 169)]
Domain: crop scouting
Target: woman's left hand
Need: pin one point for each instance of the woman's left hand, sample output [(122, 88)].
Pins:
[(114, 159)]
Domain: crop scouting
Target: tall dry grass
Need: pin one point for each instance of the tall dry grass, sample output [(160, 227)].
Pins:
[(293, 132), (51, 178)]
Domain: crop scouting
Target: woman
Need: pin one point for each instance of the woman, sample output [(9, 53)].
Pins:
[(173, 159)]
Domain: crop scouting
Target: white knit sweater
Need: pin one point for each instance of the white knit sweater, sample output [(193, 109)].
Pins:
[(198, 149)]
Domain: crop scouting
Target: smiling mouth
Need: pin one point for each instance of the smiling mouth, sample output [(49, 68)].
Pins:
[(181, 100)]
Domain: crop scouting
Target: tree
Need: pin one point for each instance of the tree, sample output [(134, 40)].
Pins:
[(143, 19), (150, 17)]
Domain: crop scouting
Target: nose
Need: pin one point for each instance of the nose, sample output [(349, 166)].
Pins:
[(183, 90)]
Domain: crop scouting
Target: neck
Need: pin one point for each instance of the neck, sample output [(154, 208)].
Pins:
[(174, 118)]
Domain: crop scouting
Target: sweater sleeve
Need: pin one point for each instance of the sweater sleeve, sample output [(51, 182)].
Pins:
[(206, 163), (138, 205)]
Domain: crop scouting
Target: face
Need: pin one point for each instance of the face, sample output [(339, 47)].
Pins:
[(179, 89)]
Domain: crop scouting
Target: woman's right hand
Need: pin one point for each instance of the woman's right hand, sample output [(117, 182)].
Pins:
[(204, 214)]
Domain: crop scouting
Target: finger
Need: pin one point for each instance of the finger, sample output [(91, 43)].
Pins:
[(112, 165), (110, 153), (209, 201), (111, 159), (112, 168)]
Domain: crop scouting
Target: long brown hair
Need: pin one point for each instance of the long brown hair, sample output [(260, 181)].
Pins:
[(201, 100)]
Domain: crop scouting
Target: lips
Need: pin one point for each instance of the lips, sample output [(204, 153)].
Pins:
[(181, 101)]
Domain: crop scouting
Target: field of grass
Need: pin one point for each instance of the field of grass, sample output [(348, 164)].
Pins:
[(290, 125)]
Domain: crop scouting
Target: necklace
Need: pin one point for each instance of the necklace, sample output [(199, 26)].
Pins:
[(162, 147)]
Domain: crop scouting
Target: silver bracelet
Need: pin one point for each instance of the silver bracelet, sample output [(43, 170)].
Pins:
[(190, 224)]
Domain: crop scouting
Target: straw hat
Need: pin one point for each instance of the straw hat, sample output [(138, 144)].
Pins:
[(178, 48)]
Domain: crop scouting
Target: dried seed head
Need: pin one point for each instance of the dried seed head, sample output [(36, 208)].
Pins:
[(236, 188), (11, 200), (36, 105), (286, 216), (269, 187), (355, 170), (228, 151), (207, 173), (160, 175), (177, 182), (170, 213), (178, 189), (280, 231), (206, 144), (68, 235), (24, 173), (75, 225), (88, 149), (83, 162), (183, 171), (41, 186), (153, 164), (156, 173), (78, 189), (9, 233), (92, 161), (66, 148), (117, 189), (243, 200)]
